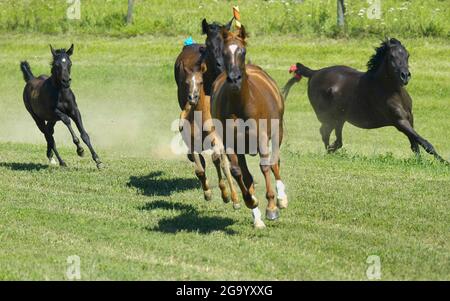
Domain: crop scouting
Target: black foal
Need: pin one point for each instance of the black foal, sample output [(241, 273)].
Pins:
[(50, 99)]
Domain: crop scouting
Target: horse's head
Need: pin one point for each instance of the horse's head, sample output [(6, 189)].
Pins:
[(397, 61), (393, 57), (214, 43), (234, 56), (61, 66), (194, 78)]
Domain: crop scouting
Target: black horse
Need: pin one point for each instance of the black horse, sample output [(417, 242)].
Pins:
[(368, 100), (50, 99)]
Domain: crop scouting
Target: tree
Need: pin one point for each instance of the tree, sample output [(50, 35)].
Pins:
[(340, 13)]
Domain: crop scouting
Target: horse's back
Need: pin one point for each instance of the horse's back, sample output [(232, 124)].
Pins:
[(333, 86)]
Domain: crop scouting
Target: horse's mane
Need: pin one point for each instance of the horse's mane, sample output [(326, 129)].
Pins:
[(234, 36), (380, 52)]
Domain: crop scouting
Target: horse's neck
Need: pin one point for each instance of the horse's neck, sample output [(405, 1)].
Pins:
[(383, 77), (62, 93)]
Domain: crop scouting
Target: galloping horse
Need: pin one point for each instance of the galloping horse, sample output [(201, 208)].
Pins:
[(247, 93), (368, 100), (50, 99), (190, 80)]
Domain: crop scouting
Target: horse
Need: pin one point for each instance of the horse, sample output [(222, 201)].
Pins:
[(214, 62), (372, 99), (50, 99), (192, 67), (245, 93)]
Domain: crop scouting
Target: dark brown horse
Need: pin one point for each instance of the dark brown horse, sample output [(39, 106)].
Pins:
[(247, 94), (368, 100), (213, 59), (190, 80), (50, 99)]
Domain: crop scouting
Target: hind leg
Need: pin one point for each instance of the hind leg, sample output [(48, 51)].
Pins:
[(50, 130), (48, 134), (325, 132), (338, 143)]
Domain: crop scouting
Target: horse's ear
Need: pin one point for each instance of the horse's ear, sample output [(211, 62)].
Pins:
[(242, 33), (228, 25), (203, 67), (205, 26), (52, 50), (70, 51), (202, 51), (224, 33)]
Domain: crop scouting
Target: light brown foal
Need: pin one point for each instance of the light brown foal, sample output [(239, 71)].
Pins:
[(195, 105)]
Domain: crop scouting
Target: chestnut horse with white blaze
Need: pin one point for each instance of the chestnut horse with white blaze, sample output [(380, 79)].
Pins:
[(247, 93)]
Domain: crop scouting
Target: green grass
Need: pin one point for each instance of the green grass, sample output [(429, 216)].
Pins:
[(144, 216)]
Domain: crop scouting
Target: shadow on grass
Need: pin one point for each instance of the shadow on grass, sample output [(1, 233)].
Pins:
[(189, 220), (154, 185), (23, 166)]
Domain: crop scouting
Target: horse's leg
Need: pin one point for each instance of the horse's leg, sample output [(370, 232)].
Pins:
[(282, 200), (200, 173), (221, 162), (405, 127), (338, 143), (222, 184), (236, 171), (272, 211), (66, 120), (41, 125), (247, 176), (50, 130), (76, 117), (246, 185), (325, 132)]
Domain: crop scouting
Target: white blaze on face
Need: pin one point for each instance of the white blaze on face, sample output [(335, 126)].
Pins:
[(193, 84), (63, 60), (233, 49)]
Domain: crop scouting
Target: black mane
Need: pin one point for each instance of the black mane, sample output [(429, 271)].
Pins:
[(377, 59)]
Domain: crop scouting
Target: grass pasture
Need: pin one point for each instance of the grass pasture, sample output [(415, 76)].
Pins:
[(144, 216)]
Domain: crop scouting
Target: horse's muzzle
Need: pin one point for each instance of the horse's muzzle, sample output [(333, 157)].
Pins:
[(405, 77)]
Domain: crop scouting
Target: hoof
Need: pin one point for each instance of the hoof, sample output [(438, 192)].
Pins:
[(52, 161), (80, 152), (100, 166), (259, 224), (208, 195), (226, 199), (236, 206), (272, 214), (63, 164), (282, 203)]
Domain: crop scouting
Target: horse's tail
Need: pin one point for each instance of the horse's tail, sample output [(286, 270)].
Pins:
[(26, 70), (300, 71)]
